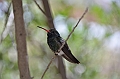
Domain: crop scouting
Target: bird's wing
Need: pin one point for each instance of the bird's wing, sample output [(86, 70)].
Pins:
[(67, 53)]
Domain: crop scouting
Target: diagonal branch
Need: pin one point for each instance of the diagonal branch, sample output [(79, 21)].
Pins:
[(39, 7), (73, 29), (48, 66), (6, 20), (65, 40)]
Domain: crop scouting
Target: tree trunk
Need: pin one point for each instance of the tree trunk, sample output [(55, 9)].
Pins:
[(20, 36)]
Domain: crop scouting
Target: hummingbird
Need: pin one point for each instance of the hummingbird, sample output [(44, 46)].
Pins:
[(55, 41)]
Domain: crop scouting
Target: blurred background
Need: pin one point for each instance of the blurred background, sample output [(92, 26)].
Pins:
[(95, 42)]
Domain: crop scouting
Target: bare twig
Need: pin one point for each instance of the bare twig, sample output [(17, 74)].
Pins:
[(6, 20), (8, 13), (48, 66), (73, 29), (65, 41), (39, 7)]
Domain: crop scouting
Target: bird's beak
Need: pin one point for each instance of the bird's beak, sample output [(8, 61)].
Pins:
[(44, 29)]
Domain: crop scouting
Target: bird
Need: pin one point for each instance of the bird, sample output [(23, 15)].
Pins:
[(55, 41)]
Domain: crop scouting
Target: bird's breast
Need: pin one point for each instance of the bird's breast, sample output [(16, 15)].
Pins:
[(53, 44)]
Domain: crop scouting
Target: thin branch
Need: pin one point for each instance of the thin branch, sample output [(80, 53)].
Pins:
[(65, 41), (48, 66), (39, 7), (6, 20), (8, 13), (73, 30)]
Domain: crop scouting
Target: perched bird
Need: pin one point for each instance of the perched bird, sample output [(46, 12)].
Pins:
[(55, 41)]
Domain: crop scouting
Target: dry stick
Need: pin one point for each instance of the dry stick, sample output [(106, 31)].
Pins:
[(48, 66), (73, 30), (39, 7), (6, 20), (65, 41)]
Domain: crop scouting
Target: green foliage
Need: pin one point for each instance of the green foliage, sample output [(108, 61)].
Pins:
[(115, 13), (101, 15), (6, 44)]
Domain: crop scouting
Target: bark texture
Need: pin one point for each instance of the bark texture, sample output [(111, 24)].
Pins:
[(20, 35)]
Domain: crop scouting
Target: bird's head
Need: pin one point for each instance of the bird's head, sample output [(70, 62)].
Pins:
[(51, 33)]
